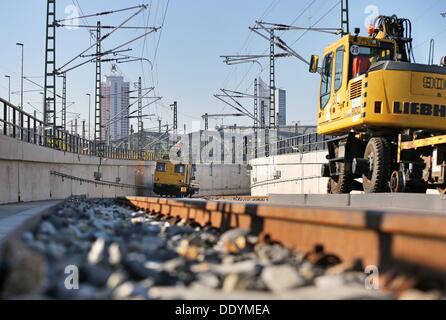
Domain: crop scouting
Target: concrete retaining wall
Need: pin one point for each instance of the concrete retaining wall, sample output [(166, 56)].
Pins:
[(25, 174), (289, 174), (222, 179), (299, 174)]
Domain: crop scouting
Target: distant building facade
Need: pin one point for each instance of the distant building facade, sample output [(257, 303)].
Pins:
[(263, 103), (115, 112), (281, 107)]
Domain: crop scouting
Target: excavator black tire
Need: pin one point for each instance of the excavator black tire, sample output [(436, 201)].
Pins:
[(378, 152), (341, 184)]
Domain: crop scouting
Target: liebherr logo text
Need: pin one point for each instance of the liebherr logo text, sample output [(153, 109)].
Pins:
[(422, 109)]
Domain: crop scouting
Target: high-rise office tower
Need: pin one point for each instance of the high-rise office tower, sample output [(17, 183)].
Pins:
[(115, 111)]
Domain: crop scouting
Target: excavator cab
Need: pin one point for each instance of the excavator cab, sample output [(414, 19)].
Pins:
[(344, 65)]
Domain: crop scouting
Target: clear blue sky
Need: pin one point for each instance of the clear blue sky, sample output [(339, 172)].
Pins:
[(196, 32)]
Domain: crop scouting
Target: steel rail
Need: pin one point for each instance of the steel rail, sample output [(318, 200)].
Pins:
[(237, 198), (390, 240)]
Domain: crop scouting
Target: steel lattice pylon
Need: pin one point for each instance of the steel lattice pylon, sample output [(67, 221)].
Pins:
[(272, 93), (272, 83), (256, 104), (49, 108), (206, 123), (175, 118), (140, 123), (98, 116), (256, 115), (345, 25), (64, 102)]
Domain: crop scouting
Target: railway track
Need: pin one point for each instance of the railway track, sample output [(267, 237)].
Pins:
[(158, 248), (236, 198), (408, 245)]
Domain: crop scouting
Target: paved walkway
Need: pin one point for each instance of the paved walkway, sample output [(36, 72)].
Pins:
[(18, 217), (417, 203), (8, 210)]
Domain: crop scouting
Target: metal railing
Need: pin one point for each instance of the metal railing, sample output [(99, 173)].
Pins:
[(299, 144), (16, 123)]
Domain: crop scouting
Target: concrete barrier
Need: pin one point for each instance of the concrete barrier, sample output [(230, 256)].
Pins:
[(300, 175), (24, 218), (419, 202), (223, 179), (289, 174), (25, 174)]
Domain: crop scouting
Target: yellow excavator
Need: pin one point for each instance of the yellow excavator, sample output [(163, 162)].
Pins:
[(385, 113)]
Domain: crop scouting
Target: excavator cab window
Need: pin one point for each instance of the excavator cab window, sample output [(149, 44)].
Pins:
[(339, 67), (327, 75), (362, 57)]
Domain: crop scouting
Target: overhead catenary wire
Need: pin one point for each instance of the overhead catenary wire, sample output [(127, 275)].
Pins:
[(154, 69), (317, 22), (155, 40), (85, 21), (436, 35), (165, 135), (128, 108), (239, 107), (285, 27), (91, 32), (162, 24), (282, 44), (299, 38), (105, 36), (104, 27), (265, 26), (144, 48), (155, 84), (40, 86), (102, 13), (115, 119), (243, 79), (147, 105), (278, 42), (249, 38), (107, 52)]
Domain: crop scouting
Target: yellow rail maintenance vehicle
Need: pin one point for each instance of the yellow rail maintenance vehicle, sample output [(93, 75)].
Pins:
[(174, 179), (386, 113)]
